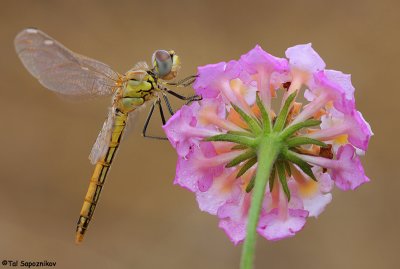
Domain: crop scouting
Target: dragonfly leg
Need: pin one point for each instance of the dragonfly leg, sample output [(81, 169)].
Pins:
[(169, 107), (184, 82), (146, 123), (161, 111), (189, 99)]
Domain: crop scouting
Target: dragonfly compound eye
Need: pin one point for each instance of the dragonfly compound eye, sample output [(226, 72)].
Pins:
[(162, 63)]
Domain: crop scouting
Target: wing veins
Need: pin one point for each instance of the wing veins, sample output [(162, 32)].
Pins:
[(70, 73)]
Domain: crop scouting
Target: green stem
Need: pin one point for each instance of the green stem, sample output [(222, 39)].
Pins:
[(268, 150)]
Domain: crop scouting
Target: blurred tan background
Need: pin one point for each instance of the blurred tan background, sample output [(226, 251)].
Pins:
[(143, 220)]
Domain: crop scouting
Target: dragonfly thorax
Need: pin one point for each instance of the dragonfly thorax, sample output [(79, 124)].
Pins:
[(135, 93)]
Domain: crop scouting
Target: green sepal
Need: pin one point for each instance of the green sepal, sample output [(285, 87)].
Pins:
[(287, 168), (242, 157), (246, 166), (282, 178), (281, 119), (241, 140), (253, 124), (301, 140), (272, 178), (239, 133), (289, 131), (304, 166), (252, 181), (239, 147), (264, 115)]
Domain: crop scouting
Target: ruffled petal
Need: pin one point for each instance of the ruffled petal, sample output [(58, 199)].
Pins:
[(349, 173), (305, 58), (210, 78), (274, 228)]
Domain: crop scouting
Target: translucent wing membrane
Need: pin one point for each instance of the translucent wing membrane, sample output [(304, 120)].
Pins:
[(100, 147), (61, 70), (133, 118)]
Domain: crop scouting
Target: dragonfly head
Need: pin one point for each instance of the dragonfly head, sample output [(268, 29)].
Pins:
[(166, 64)]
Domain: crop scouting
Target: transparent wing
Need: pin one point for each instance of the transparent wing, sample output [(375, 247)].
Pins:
[(133, 119), (100, 147), (61, 70)]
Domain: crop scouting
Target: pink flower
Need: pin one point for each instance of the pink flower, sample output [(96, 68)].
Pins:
[(346, 170), (338, 126), (264, 67), (326, 88), (212, 78), (282, 218), (337, 87), (257, 60), (304, 61), (200, 167), (223, 140), (315, 195), (224, 188), (275, 227), (233, 215), (305, 58)]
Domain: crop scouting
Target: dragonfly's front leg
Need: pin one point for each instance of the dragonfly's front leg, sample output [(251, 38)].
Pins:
[(183, 82), (188, 99), (146, 123)]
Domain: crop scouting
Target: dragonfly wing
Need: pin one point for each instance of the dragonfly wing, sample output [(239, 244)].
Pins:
[(61, 70), (131, 122), (101, 145)]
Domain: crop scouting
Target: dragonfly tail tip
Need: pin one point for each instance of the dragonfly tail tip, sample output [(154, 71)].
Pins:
[(78, 238)]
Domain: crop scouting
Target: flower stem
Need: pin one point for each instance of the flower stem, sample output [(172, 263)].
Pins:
[(268, 150)]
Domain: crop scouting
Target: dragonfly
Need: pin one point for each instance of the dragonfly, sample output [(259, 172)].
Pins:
[(68, 73)]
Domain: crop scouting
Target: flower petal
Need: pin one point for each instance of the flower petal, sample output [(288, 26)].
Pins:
[(193, 173), (349, 174), (208, 84), (258, 60), (274, 228), (304, 57)]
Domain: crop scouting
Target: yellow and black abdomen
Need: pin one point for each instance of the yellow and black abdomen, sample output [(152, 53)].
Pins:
[(99, 176)]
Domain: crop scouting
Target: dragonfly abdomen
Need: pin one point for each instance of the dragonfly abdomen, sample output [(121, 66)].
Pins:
[(99, 176)]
